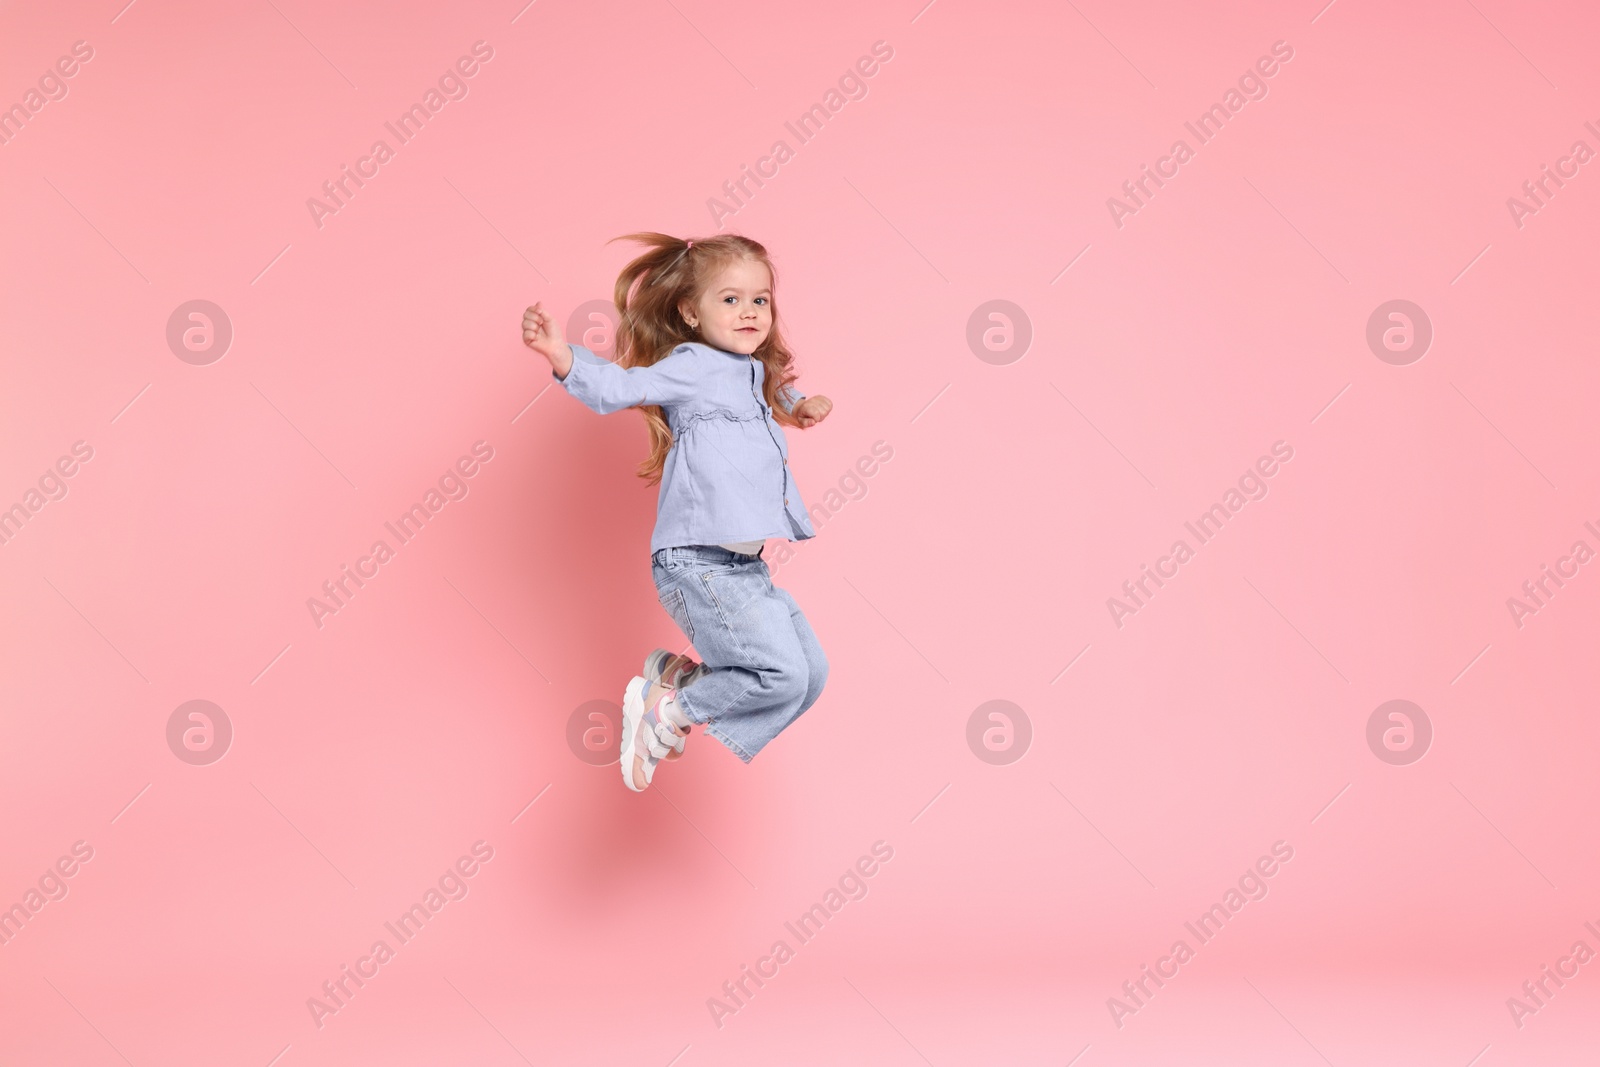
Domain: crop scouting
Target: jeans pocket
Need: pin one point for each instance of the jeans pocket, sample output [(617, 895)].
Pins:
[(672, 600)]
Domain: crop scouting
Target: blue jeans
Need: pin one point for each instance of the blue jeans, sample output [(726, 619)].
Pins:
[(765, 664)]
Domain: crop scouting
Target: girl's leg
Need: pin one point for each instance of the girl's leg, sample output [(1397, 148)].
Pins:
[(758, 677), (816, 660)]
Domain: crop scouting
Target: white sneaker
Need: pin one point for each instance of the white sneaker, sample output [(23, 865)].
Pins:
[(646, 737)]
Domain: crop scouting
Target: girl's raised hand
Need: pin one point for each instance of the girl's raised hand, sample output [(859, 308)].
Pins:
[(812, 410), (541, 333)]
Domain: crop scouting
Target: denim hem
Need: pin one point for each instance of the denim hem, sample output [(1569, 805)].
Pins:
[(716, 731), (686, 708), (712, 728)]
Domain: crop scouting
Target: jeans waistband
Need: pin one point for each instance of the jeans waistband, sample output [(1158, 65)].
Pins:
[(706, 554)]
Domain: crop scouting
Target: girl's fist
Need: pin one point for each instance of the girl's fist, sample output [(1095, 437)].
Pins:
[(541, 333), (812, 410)]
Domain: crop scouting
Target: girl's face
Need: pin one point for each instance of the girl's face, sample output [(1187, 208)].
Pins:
[(734, 312)]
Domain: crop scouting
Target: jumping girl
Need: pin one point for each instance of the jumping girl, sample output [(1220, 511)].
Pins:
[(701, 356)]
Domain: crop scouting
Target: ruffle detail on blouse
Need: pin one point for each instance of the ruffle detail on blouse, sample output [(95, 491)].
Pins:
[(682, 422)]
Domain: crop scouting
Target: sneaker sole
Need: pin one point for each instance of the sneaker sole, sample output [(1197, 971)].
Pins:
[(632, 712)]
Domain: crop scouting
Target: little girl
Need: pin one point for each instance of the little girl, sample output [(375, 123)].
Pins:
[(700, 354)]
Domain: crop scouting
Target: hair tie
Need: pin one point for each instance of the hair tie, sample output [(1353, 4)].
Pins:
[(688, 246)]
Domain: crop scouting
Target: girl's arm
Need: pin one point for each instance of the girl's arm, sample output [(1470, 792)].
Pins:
[(602, 386), (605, 387)]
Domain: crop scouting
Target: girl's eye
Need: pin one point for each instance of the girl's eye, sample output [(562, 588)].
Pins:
[(761, 300)]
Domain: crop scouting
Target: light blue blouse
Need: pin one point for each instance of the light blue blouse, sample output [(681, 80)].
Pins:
[(727, 474)]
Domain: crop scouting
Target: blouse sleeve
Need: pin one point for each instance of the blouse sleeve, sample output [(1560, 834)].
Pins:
[(788, 398), (604, 387)]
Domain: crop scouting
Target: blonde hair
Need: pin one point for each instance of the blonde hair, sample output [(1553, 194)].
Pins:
[(648, 296)]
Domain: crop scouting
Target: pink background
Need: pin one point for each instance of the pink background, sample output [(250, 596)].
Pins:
[(1230, 713)]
